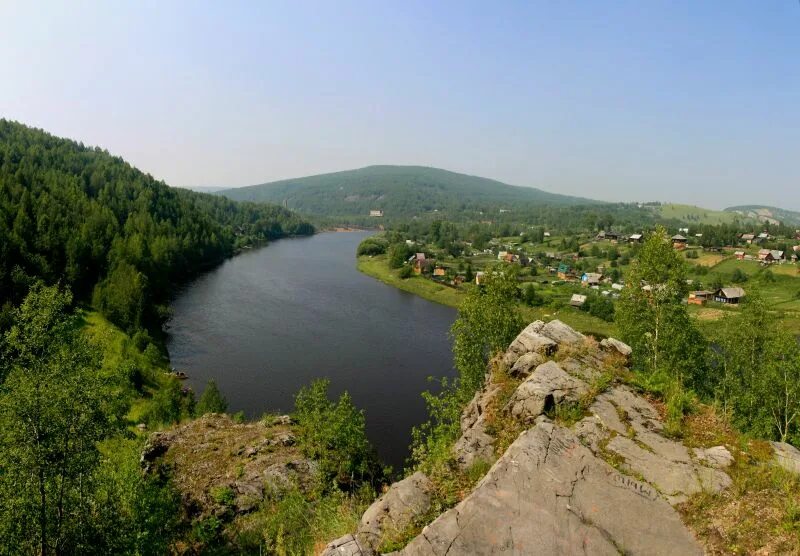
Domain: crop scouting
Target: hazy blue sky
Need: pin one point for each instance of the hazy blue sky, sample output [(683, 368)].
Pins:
[(691, 101)]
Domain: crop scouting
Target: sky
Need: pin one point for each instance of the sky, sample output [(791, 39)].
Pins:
[(682, 101)]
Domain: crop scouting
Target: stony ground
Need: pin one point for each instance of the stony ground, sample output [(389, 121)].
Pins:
[(582, 464)]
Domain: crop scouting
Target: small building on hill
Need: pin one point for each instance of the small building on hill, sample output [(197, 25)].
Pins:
[(591, 279), (731, 296), (679, 242), (636, 238), (739, 255), (564, 271), (699, 297), (376, 213), (748, 238)]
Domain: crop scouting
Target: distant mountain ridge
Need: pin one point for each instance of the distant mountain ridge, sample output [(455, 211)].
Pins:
[(768, 214), (400, 191)]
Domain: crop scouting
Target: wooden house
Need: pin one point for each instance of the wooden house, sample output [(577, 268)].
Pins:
[(564, 272), (636, 238), (591, 279), (679, 242), (739, 255), (699, 297), (731, 296), (439, 271)]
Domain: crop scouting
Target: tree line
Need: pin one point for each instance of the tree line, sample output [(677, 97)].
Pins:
[(81, 217)]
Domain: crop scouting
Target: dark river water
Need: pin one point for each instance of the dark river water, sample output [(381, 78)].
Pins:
[(268, 321)]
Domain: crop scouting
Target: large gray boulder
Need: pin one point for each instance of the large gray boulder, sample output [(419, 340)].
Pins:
[(787, 456), (614, 345), (404, 502), (347, 545), (549, 385), (525, 365), (550, 495), (562, 334), (529, 341)]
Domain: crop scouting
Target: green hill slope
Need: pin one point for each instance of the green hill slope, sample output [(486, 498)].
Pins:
[(768, 214), (81, 217), (400, 191)]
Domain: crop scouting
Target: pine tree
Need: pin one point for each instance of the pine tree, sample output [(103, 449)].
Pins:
[(212, 400)]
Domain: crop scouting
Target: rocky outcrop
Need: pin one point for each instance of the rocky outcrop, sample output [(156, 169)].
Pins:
[(605, 485), (787, 456), (223, 467), (548, 386), (475, 442), (396, 510), (612, 344), (549, 494)]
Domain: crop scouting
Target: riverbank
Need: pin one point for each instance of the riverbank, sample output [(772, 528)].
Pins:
[(378, 268)]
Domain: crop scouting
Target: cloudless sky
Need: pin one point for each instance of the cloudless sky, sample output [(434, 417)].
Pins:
[(688, 101)]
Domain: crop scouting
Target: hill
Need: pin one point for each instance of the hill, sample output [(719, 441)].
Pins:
[(773, 215), (400, 191), (78, 216), (690, 214)]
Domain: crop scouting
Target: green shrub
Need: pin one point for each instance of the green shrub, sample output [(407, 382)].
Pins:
[(334, 433), (212, 400)]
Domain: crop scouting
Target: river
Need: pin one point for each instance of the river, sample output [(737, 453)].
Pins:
[(271, 320)]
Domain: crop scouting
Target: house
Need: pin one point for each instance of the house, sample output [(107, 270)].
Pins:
[(763, 236), (511, 258), (564, 271), (439, 271), (748, 238), (730, 296), (420, 263), (636, 238), (502, 255), (376, 213), (739, 255), (577, 300), (770, 256), (547, 234), (613, 236), (683, 230), (480, 276), (591, 279), (679, 242), (699, 297), (794, 258)]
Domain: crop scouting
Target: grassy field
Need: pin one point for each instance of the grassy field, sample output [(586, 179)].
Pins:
[(778, 284), (377, 267), (689, 213)]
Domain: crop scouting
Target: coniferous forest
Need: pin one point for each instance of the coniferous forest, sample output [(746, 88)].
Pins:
[(85, 219)]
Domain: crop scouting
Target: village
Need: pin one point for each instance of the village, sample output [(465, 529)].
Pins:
[(585, 272)]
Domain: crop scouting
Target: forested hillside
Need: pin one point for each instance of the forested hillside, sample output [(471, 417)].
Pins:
[(78, 216), (400, 191)]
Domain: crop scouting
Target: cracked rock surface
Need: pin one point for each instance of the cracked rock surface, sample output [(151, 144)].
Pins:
[(554, 490), (549, 494)]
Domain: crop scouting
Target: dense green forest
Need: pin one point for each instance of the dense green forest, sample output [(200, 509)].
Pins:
[(400, 191), (78, 216)]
